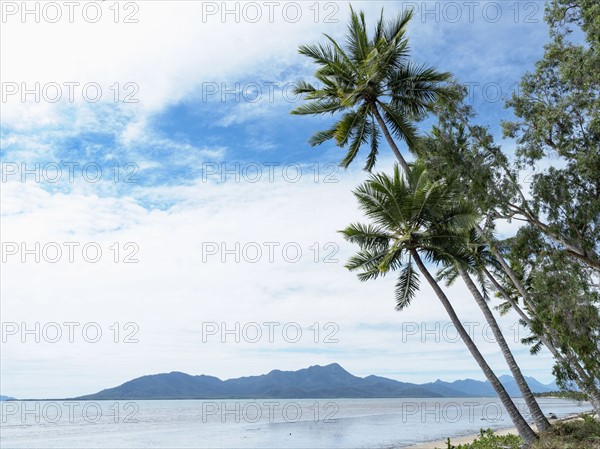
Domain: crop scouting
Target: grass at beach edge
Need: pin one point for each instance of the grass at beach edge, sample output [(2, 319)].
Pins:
[(579, 433)]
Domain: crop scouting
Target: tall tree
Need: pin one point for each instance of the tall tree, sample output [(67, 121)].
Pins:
[(415, 218), (373, 85), (488, 178), (558, 115)]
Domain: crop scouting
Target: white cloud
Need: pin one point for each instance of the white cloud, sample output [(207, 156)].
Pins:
[(172, 290), (173, 49)]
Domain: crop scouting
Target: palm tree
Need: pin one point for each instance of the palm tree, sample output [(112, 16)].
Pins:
[(373, 84), (481, 257), (413, 216)]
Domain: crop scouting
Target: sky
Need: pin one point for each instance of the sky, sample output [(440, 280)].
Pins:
[(162, 210)]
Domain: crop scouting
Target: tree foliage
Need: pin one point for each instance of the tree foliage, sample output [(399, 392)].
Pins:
[(373, 84)]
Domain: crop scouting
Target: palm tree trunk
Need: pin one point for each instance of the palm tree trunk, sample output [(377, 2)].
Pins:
[(525, 431), (390, 140), (594, 399), (540, 420)]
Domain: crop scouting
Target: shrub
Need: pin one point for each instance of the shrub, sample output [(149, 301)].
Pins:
[(487, 440)]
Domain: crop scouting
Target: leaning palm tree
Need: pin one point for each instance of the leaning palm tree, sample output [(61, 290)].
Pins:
[(373, 84), (481, 257), (414, 217)]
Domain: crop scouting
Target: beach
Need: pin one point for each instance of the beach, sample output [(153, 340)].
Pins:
[(441, 444)]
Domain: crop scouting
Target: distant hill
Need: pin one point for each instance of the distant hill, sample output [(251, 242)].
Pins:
[(6, 398), (470, 387), (331, 381)]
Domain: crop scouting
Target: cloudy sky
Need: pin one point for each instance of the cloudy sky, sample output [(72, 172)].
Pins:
[(159, 202)]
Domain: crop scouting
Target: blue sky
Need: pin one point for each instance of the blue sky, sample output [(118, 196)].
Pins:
[(209, 92)]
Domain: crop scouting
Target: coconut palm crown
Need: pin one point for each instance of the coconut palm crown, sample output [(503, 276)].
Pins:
[(408, 213), (373, 84)]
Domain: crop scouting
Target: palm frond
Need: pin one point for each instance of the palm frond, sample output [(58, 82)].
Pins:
[(360, 137), (367, 236), (303, 87), (357, 40), (368, 263), (395, 29), (322, 136), (379, 29), (415, 88), (348, 125), (449, 274), (321, 54), (406, 286), (536, 348), (340, 53), (318, 107), (375, 136)]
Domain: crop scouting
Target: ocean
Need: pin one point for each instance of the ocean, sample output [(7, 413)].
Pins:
[(259, 423)]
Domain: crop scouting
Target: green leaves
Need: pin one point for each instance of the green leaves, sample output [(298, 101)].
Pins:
[(374, 136), (367, 74), (318, 107), (564, 295), (357, 39), (322, 136), (558, 117), (399, 124), (368, 236), (407, 213), (368, 262), (352, 123), (416, 88), (407, 285), (321, 54)]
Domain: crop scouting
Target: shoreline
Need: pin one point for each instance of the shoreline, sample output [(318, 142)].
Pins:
[(466, 439)]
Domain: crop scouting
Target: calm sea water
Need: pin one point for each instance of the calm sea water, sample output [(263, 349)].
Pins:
[(260, 423)]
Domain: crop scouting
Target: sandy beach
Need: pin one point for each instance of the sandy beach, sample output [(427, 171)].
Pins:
[(441, 444)]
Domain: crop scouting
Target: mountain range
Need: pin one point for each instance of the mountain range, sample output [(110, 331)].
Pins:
[(315, 382)]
